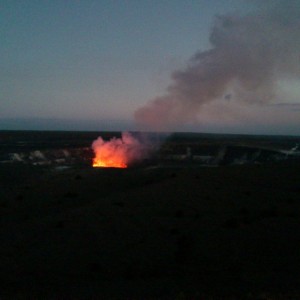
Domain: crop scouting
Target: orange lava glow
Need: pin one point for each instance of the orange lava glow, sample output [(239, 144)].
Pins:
[(114, 153), (117, 152), (108, 163)]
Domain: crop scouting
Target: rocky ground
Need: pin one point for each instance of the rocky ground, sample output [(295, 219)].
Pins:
[(150, 233)]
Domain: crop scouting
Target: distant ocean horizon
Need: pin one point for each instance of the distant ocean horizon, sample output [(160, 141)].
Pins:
[(59, 124)]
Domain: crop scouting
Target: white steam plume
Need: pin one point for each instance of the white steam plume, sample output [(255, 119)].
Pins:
[(249, 55)]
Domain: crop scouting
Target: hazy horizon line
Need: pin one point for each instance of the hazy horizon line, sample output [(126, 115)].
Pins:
[(111, 125)]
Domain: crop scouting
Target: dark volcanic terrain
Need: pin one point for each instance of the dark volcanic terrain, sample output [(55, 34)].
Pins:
[(151, 232)]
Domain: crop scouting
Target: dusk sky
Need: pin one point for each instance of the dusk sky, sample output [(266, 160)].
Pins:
[(95, 65)]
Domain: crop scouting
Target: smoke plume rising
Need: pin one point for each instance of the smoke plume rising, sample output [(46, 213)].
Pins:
[(249, 55)]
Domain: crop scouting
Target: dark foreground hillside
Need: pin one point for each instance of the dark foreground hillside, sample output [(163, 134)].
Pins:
[(229, 232)]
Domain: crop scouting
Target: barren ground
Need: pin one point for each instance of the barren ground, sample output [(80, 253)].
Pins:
[(151, 233)]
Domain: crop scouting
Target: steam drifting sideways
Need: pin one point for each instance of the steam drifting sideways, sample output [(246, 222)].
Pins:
[(119, 152), (250, 54)]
